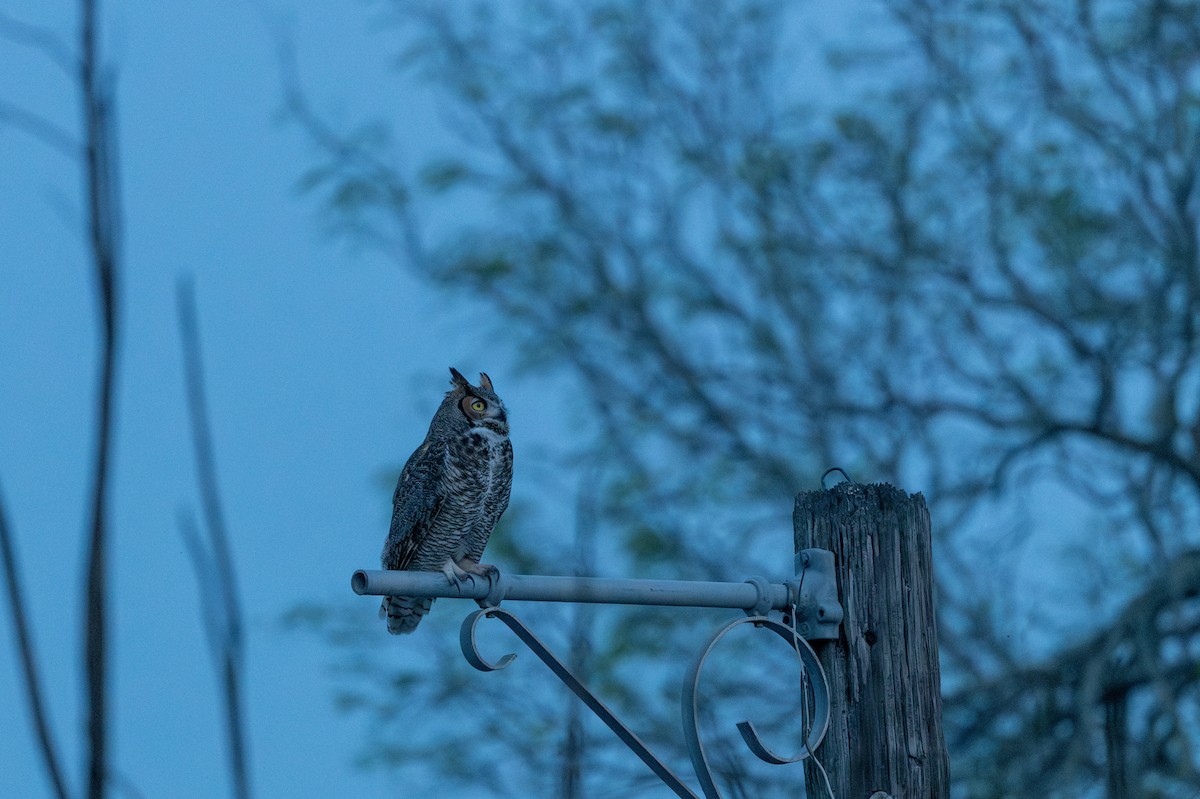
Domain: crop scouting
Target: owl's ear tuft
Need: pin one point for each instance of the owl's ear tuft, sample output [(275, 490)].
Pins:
[(457, 379), (485, 381)]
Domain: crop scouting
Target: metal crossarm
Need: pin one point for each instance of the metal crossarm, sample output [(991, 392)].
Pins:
[(599, 590)]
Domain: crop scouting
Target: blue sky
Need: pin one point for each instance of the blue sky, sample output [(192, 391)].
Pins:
[(323, 367)]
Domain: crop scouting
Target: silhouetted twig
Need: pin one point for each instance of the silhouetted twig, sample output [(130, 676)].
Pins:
[(33, 688), (103, 232), (43, 39), (212, 559), (39, 128)]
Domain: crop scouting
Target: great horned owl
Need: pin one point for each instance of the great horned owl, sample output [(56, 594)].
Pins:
[(450, 495)]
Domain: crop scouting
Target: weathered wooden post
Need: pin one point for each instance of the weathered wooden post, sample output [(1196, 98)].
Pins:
[(885, 732)]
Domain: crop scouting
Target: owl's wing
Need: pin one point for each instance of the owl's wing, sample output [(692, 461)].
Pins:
[(415, 505)]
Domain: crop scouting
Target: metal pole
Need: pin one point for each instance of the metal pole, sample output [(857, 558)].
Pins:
[(756, 594)]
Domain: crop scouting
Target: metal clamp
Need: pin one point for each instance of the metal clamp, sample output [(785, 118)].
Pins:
[(815, 595), (762, 605)]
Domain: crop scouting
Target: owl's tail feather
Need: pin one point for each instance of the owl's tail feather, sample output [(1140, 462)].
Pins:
[(403, 613)]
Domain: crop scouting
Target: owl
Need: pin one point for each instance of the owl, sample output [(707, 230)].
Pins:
[(450, 495)]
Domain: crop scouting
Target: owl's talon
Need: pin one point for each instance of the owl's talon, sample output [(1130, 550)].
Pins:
[(455, 574), (469, 567)]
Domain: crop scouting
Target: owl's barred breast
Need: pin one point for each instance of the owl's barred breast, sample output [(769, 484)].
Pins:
[(476, 475)]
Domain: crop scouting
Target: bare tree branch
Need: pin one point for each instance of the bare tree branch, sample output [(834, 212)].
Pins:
[(213, 560), (40, 128), (99, 155), (1044, 716), (49, 43), (47, 745)]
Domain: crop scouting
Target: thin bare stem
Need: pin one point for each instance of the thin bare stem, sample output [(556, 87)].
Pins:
[(40, 128), (215, 572), (39, 38), (103, 231), (28, 658)]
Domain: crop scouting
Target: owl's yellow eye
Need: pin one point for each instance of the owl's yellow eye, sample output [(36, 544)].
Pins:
[(478, 406)]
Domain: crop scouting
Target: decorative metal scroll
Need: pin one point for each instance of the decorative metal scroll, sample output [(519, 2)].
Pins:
[(691, 686), (690, 698)]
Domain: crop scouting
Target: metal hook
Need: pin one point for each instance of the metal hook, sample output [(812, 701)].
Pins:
[(830, 471), (470, 648)]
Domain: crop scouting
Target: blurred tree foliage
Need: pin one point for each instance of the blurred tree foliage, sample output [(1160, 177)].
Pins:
[(960, 255)]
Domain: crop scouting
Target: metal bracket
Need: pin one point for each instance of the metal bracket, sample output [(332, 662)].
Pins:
[(815, 595), (809, 603), (810, 666)]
